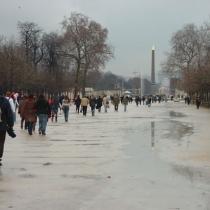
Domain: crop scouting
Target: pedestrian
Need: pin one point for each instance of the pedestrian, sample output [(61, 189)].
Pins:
[(125, 102), (77, 103), (99, 103), (6, 121), (54, 106), (92, 103), (198, 102), (65, 107), (149, 101), (43, 112), (137, 100), (12, 104), (116, 101), (188, 99), (84, 104), (22, 101), (105, 103), (29, 113), (143, 99)]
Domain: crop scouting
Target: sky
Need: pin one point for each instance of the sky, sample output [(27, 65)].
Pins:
[(134, 25)]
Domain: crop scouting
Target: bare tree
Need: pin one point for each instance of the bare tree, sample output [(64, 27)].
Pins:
[(85, 44), (30, 36)]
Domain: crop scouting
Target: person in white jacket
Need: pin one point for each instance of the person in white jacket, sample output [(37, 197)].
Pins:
[(12, 104), (105, 103)]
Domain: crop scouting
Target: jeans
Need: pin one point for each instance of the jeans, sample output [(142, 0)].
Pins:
[(66, 113), (2, 140), (43, 118), (93, 110), (84, 109)]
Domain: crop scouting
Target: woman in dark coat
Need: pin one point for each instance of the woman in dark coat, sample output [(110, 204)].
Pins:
[(29, 113)]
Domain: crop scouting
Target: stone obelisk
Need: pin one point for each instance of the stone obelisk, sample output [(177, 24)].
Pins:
[(153, 83), (153, 66)]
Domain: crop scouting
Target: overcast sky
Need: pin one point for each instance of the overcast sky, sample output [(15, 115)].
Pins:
[(134, 25)]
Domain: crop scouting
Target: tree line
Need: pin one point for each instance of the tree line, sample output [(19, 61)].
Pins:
[(189, 60), (55, 62)]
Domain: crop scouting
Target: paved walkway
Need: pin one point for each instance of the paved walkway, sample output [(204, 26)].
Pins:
[(147, 158)]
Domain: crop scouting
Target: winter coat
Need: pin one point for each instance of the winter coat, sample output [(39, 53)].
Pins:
[(20, 108), (125, 101), (78, 101), (116, 100), (6, 115), (106, 101), (12, 103), (29, 111), (42, 107), (84, 102), (99, 103), (92, 102), (65, 103)]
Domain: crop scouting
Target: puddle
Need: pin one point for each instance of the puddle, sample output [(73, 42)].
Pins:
[(176, 114), (176, 130)]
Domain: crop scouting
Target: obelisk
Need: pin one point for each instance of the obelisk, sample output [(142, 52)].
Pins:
[(153, 66)]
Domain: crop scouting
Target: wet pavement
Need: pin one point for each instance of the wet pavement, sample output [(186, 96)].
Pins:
[(154, 158)]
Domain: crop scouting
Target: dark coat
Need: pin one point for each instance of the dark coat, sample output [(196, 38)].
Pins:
[(99, 103), (6, 115), (42, 107), (29, 111)]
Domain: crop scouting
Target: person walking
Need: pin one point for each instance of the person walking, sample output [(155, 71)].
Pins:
[(65, 107), (99, 103), (116, 101), (105, 103), (29, 113), (84, 104), (78, 103), (54, 106), (143, 99), (22, 101), (12, 104), (198, 102), (125, 102), (137, 100), (43, 112), (6, 121), (92, 105)]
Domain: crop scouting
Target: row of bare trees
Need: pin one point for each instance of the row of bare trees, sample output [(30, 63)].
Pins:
[(189, 59), (55, 62)]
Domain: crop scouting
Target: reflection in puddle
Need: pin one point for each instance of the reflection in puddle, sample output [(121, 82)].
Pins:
[(153, 134)]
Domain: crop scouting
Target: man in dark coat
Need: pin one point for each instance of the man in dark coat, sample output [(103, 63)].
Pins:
[(6, 121), (43, 112)]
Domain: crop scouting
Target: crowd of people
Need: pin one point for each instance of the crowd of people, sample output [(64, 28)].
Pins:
[(33, 109)]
